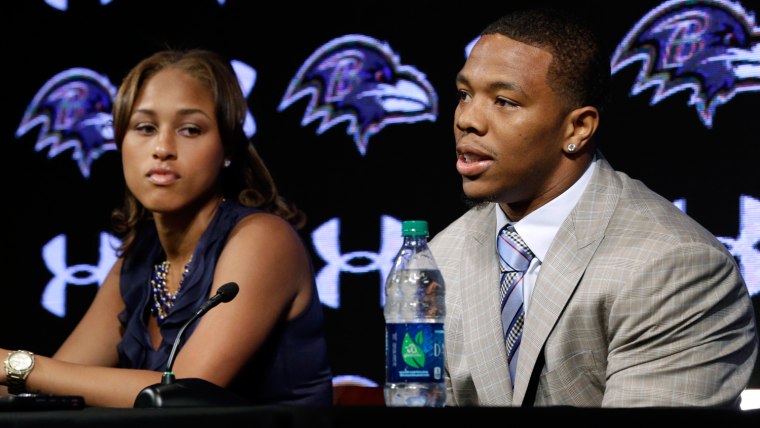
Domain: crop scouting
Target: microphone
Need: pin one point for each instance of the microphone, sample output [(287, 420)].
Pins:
[(225, 293), (191, 392)]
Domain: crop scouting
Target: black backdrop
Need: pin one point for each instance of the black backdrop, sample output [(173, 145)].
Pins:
[(406, 172)]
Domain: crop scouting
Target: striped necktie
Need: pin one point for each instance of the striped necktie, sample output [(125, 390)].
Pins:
[(514, 258)]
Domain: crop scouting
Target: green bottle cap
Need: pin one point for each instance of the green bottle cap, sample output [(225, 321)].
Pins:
[(414, 228)]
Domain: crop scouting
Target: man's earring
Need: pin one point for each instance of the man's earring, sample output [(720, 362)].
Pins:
[(571, 147), (227, 163)]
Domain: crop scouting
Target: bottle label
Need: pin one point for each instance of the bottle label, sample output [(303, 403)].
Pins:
[(414, 352)]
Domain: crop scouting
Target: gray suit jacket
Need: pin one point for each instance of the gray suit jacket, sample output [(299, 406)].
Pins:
[(635, 305)]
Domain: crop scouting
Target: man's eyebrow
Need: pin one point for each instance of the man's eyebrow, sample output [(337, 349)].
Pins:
[(494, 86)]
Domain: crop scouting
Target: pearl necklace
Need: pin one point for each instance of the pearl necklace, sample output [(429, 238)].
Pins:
[(163, 300)]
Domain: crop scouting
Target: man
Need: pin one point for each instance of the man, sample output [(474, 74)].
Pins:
[(623, 300)]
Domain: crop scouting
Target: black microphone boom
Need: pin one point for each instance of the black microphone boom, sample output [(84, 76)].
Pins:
[(191, 392), (224, 294)]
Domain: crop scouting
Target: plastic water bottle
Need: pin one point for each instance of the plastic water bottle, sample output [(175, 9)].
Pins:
[(414, 314)]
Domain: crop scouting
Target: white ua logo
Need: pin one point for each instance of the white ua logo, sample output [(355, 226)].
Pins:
[(745, 246), (326, 239), (54, 255)]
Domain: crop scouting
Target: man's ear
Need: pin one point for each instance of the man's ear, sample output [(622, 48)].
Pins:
[(582, 125)]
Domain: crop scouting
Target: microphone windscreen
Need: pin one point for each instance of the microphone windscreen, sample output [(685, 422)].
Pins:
[(228, 291)]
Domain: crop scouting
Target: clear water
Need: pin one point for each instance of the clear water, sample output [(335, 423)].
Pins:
[(414, 296), (415, 394)]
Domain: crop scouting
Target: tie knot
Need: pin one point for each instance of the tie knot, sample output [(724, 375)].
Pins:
[(514, 254)]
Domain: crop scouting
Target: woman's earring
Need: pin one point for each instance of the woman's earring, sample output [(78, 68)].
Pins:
[(571, 147), (227, 163)]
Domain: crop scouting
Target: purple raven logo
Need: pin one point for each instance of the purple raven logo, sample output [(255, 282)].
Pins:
[(359, 80), (710, 47), (74, 112)]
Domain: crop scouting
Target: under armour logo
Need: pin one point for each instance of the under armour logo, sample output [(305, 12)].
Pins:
[(54, 255), (247, 79), (326, 239), (745, 246)]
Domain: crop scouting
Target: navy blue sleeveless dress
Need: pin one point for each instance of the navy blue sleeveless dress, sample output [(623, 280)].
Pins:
[(291, 367)]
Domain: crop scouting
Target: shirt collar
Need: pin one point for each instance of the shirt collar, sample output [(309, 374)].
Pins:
[(538, 228)]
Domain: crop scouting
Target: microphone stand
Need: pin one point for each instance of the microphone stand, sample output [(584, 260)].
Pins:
[(191, 392)]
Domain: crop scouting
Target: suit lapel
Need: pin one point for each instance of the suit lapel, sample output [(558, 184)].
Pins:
[(567, 258), (482, 322)]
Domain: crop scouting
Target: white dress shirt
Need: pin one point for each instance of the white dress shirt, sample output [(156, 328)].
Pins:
[(538, 228)]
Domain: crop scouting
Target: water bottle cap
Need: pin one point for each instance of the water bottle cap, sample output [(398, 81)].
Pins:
[(414, 228)]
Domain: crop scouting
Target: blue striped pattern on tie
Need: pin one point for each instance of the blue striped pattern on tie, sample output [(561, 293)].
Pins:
[(514, 259)]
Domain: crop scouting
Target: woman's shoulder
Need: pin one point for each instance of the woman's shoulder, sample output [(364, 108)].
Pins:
[(263, 221), (262, 227), (263, 245)]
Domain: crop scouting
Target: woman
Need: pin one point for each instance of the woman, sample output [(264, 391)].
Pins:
[(201, 210)]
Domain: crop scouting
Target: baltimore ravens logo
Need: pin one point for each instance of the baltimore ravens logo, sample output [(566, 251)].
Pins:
[(709, 47), (73, 110), (359, 80)]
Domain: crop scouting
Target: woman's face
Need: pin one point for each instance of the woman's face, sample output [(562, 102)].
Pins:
[(172, 151)]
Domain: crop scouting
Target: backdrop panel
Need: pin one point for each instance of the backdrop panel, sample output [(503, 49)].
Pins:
[(694, 139)]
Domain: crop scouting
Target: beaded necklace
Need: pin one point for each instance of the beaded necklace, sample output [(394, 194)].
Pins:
[(163, 300)]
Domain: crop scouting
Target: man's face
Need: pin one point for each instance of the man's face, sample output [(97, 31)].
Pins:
[(508, 125)]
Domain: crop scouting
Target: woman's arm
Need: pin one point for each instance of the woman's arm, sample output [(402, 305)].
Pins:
[(83, 365), (268, 261)]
